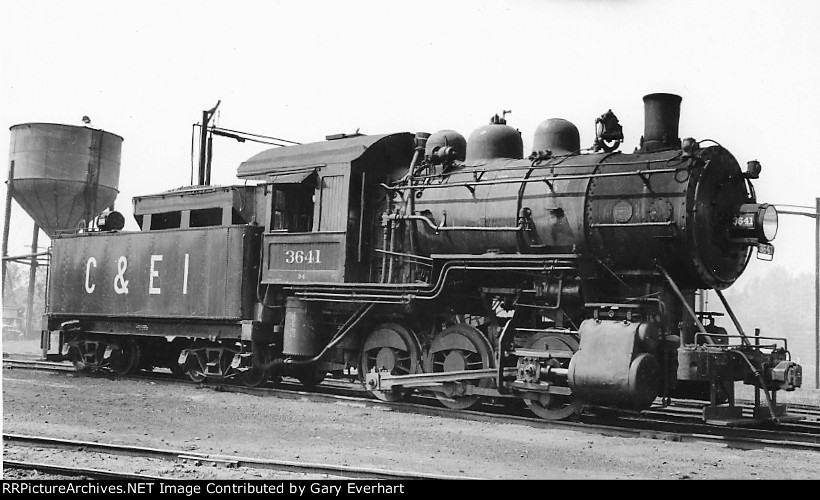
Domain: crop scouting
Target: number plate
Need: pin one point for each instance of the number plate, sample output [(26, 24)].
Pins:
[(765, 251), (744, 221), (304, 258)]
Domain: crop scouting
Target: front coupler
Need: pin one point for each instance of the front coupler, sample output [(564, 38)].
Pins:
[(767, 368)]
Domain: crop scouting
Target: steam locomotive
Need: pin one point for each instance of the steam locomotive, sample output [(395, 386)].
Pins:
[(427, 262)]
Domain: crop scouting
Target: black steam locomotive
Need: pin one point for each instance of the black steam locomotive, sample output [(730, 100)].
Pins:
[(430, 262)]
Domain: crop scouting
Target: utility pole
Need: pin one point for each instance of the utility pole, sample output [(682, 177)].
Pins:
[(816, 216), (204, 151)]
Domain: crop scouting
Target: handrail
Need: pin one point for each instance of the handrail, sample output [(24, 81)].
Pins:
[(520, 227), (549, 178)]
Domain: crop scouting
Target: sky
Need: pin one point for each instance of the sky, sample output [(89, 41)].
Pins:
[(748, 72)]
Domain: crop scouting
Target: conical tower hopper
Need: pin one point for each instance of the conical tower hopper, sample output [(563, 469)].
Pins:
[(64, 175)]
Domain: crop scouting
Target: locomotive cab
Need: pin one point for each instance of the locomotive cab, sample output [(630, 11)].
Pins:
[(321, 202)]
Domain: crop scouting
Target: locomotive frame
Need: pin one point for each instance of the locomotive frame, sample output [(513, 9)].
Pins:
[(566, 279)]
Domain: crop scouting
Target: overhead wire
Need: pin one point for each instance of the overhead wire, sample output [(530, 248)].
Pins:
[(794, 206), (234, 134), (257, 135)]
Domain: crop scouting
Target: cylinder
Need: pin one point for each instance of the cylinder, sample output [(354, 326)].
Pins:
[(302, 328), (609, 368), (661, 119)]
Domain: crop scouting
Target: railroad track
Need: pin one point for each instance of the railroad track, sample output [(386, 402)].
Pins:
[(36, 364), (330, 471), (77, 472), (680, 422)]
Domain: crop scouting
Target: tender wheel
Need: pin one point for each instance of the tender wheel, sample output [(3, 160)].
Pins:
[(125, 357), (85, 355), (458, 348), (196, 374), (176, 370), (393, 348), (256, 376), (170, 356), (76, 360), (554, 406), (227, 373), (195, 364)]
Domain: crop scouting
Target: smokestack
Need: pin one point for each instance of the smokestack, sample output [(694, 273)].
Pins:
[(661, 119)]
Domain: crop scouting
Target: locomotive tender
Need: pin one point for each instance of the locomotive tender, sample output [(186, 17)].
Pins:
[(430, 262)]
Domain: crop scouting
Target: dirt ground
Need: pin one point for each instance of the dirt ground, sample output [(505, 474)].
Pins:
[(189, 418), (185, 417)]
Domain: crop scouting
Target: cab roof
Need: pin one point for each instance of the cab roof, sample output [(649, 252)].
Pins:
[(392, 148)]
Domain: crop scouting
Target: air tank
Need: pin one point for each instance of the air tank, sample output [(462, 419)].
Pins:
[(63, 175), (302, 333)]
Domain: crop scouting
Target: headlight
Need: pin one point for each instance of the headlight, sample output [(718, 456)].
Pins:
[(754, 223), (769, 221)]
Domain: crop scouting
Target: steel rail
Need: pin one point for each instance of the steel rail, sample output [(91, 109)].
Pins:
[(80, 471), (641, 427), (36, 364), (331, 385), (338, 385), (342, 471)]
